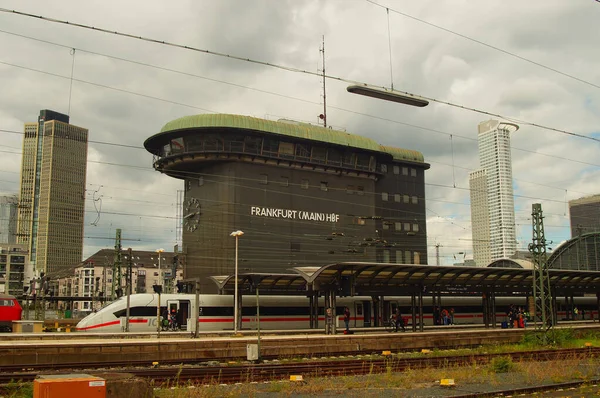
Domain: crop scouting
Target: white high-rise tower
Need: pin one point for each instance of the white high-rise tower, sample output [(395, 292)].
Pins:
[(492, 203)]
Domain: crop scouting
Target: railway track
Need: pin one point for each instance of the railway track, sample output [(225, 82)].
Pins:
[(236, 373)]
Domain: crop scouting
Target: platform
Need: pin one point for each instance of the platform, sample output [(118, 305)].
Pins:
[(151, 349)]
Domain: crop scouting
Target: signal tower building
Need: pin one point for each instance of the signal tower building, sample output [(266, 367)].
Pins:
[(303, 195)]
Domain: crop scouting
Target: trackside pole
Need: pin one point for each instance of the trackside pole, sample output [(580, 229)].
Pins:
[(196, 311)]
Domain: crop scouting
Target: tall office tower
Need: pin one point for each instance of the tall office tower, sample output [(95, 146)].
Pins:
[(585, 215), (8, 219), (480, 218), (493, 222), (51, 205)]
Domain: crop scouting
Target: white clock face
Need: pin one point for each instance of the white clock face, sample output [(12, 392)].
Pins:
[(191, 214)]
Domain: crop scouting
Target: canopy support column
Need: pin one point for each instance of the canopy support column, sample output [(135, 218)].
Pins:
[(493, 309), (421, 322), (413, 310)]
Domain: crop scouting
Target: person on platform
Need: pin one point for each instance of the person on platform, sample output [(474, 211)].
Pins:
[(445, 317), (347, 319), (399, 320)]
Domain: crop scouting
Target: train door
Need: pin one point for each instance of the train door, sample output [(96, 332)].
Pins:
[(182, 311), (358, 314), (367, 313)]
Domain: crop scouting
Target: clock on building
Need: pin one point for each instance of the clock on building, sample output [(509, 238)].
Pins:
[(191, 216)]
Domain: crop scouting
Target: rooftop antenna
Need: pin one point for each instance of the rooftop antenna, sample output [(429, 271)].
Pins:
[(323, 116)]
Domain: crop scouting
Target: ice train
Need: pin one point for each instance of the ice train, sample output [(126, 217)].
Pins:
[(286, 312)]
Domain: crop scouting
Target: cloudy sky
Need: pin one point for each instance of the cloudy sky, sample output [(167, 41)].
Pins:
[(124, 90)]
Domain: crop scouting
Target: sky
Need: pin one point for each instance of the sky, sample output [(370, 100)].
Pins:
[(535, 61)]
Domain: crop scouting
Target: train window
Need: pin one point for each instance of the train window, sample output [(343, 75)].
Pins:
[(7, 303), (136, 311), (218, 311)]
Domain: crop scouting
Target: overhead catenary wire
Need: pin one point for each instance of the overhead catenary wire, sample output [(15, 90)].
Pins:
[(286, 68), (480, 42), (266, 92), (185, 174)]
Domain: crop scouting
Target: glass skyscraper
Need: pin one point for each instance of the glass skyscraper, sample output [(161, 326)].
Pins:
[(492, 202)]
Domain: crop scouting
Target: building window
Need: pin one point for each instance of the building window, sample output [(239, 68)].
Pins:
[(413, 172), (386, 225), (406, 199), (359, 221), (384, 196), (397, 197), (396, 169), (285, 181), (407, 226), (324, 186), (407, 257), (398, 256), (360, 190), (398, 226), (417, 258), (415, 200), (384, 168), (405, 171), (304, 184), (386, 256), (263, 179), (350, 189), (200, 181), (416, 227), (286, 149)]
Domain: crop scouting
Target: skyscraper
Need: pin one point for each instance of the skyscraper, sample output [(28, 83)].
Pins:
[(492, 203), (51, 203), (8, 219)]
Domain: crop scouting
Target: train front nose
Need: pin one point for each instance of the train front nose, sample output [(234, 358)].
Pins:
[(85, 323)]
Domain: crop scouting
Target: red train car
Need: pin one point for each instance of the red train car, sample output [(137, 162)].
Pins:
[(10, 310)]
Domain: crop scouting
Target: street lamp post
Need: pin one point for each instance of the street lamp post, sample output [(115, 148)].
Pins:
[(236, 235)]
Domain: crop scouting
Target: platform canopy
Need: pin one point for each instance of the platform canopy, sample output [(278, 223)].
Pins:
[(365, 279), (284, 284)]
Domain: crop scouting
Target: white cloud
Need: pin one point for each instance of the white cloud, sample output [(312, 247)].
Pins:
[(426, 60)]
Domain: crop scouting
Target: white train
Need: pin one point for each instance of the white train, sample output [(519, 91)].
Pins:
[(286, 312)]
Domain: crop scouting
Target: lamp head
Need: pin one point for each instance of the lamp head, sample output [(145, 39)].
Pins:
[(236, 233)]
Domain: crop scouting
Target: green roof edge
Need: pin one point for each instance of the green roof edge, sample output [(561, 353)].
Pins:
[(291, 129)]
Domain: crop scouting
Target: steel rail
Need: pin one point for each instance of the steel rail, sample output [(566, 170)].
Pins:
[(224, 374)]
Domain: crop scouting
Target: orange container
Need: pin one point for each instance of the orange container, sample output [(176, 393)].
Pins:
[(69, 385)]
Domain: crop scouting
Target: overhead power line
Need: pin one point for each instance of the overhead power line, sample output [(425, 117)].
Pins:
[(486, 44), (277, 66)]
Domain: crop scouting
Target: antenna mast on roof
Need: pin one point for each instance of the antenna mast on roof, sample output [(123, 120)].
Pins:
[(323, 116)]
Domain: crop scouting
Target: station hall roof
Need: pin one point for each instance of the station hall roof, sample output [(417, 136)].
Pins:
[(378, 278), (285, 128)]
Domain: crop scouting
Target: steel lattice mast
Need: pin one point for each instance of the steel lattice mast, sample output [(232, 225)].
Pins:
[(543, 316), (116, 290)]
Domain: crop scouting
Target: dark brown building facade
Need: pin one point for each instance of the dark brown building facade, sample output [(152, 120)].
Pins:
[(585, 215), (303, 195)]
